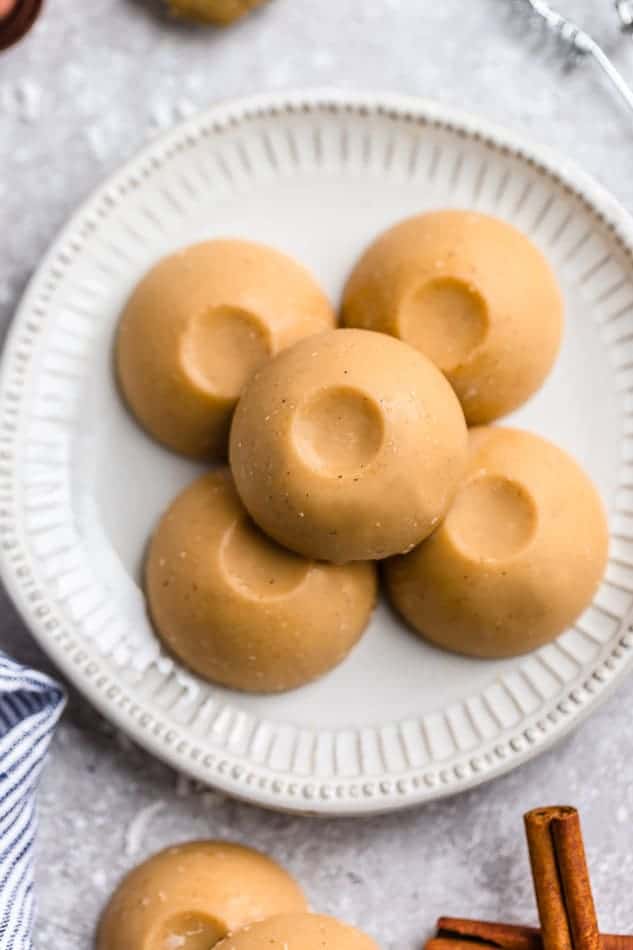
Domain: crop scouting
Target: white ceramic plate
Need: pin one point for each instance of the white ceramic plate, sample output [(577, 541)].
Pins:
[(316, 175)]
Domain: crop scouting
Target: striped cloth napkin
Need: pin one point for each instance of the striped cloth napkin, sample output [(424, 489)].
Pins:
[(30, 705)]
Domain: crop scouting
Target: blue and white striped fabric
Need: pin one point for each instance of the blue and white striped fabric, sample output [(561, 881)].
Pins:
[(30, 705)]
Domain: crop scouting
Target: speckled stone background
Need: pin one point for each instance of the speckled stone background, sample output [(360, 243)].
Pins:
[(93, 81)]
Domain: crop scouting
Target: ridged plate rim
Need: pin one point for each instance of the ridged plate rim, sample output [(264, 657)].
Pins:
[(145, 724)]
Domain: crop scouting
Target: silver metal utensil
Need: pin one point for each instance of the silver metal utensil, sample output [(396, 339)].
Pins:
[(624, 9), (581, 43)]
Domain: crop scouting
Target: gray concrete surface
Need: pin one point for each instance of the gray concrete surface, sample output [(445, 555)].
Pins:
[(93, 81)]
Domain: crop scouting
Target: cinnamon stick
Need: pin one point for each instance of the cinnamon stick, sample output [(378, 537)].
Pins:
[(574, 874), (457, 933), (561, 879), (609, 942), (505, 936), (454, 943)]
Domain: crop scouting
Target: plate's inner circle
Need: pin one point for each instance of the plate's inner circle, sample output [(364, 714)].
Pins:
[(318, 185)]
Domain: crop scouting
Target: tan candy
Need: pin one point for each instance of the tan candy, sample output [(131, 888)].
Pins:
[(470, 292), (190, 896), (240, 610), (196, 327), (299, 932), (214, 11), (348, 446), (518, 557)]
